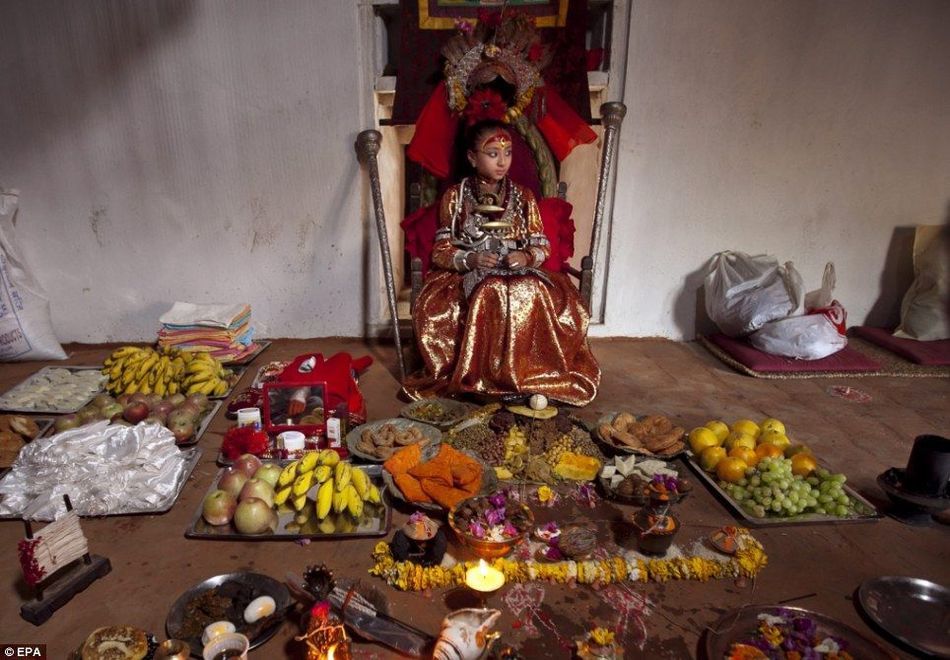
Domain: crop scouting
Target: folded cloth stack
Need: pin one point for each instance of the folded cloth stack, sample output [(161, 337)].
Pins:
[(223, 330)]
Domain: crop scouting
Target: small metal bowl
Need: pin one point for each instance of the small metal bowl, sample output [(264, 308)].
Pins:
[(173, 649), (490, 549)]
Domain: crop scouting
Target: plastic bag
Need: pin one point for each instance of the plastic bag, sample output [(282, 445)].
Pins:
[(811, 336), (744, 292), (25, 329)]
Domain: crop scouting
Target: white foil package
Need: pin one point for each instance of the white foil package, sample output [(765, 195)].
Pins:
[(105, 469)]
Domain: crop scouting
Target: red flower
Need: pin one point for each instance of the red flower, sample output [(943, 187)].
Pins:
[(484, 104)]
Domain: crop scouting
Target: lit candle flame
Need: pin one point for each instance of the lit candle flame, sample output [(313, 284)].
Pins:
[(330, 652), (482, 568)]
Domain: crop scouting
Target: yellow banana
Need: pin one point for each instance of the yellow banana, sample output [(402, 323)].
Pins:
[(329, 457), (324, 499), (281, 495), (287, 474), (323, 473), (220, 388), (339, 501), (374, 496), (308, 462), (300, 502), (327, 526), (342, 475), (160, 388), (354, 503), (302, 483), (360, 482), (146, 365)]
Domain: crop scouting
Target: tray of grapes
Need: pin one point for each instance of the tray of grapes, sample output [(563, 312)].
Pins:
[(771, 494)]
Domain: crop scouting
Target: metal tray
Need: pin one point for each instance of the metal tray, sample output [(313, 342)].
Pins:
[(801, 519), (375, 522), (607, 418), (433, 434), (30, 381), (191, 460), (238, 371), (741, 623), (454, 412), (203, 426), (910, 609), (262, 585)]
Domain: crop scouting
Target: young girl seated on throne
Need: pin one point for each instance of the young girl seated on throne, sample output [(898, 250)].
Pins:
[(488, 320)]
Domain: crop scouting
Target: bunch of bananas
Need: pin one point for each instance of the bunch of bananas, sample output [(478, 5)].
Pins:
[(164, 372), (343, 488)]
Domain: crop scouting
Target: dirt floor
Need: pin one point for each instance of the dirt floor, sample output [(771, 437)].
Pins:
[(818, 567)]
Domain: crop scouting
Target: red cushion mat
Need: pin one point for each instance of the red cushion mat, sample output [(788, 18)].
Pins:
[(929, 353), (847, 359)]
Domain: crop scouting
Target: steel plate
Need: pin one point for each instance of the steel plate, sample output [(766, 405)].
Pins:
[(741, 623), (915, 611), (607, 418), (262, 585), (452, 412), (433, 434), (32, 381), (375, 521)]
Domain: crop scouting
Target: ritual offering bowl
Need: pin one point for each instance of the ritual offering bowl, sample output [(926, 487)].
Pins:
[(492, 525)]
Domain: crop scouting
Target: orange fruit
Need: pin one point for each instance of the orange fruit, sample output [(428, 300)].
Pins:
[(739, 439), (720, 428), (772, 424), (775, 438), (700, 438), (746, 426), (803, 464), (731, 469), (710, 457), (791, 450), (767, 450), (744, 453)]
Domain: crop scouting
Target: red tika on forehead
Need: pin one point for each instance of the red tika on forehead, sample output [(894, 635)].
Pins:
[(502, 138)]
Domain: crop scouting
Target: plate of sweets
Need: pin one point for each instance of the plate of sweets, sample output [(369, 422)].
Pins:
[(436, 477), (441, 413)]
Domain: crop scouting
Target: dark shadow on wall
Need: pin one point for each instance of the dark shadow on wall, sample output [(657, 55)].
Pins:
[(896, 277), (689, 306), (57, 58)]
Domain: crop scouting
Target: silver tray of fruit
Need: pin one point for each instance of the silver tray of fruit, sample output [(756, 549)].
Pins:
[(268, 520), (54, 390), (232, 377), (827, 498)]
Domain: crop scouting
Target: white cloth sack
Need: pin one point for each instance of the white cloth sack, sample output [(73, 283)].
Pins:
[(26, 332), (745, 292), (811, 336), (924, 309)]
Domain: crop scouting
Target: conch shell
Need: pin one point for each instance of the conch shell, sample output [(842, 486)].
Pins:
[(466, 635)]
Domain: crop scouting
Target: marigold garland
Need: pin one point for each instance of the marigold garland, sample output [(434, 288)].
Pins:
[(749, 559)]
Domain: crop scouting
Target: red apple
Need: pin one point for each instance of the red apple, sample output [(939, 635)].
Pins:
[(248, 464), (232, 481), (135, 412), (219, 507)]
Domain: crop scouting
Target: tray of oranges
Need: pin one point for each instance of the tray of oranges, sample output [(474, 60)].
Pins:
[(767, 479)]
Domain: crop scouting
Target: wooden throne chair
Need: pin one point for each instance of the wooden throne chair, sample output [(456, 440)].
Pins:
[(545, 130)]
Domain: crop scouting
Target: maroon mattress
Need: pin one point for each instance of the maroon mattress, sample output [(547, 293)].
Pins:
[(928, 353)]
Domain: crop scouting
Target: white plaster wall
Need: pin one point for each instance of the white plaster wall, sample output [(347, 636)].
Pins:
[(169, 149), (810, 129), (172, 150)]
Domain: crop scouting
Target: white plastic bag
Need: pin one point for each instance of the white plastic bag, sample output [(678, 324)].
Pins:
[(25, 329), (812, 336), (744, 292)]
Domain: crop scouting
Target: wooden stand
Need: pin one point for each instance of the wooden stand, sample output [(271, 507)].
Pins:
[(64, 586), (70, 573)]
